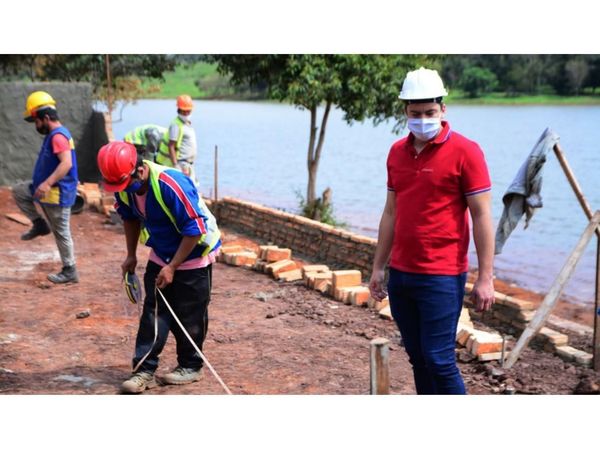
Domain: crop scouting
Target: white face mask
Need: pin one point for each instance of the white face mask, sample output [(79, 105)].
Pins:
[(425, 129), (187, 118)]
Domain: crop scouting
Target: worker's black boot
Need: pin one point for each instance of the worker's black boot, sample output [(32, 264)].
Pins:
[(68, 274), (39, 228)]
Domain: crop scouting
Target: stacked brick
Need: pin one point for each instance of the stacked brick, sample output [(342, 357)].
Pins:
[(96, 199), (516, 313), (236, 255), (484, 345), (330, 245)]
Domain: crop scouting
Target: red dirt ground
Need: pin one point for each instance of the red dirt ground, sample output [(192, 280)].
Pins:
[(264, 337)]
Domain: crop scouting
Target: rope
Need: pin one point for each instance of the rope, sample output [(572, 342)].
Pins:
[(137, 366), (193, 343)]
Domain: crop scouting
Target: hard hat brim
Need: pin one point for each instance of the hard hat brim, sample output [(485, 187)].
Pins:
[(114, 187)]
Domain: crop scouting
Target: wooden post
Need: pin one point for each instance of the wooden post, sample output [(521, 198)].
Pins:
[(574, 183), (380, 370), (551, 298), (596, 311), (216, 173), (108, 85), (588, 212)]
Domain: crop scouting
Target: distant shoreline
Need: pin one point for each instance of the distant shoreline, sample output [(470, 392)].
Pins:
[(482, 101)]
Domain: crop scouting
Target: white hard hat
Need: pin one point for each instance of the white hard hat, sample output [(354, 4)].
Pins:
[(422, 84)]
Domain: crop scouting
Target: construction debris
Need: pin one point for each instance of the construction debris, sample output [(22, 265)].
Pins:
[(19, 218)]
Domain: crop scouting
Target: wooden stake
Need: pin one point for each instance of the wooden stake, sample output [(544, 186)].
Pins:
[(216, 173), (588, 212), (551, 298), (380, 370), (574, 183)]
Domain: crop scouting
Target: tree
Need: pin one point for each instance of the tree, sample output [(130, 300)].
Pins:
[(477, 80), (126, 71), (362, 86), (577, 70)]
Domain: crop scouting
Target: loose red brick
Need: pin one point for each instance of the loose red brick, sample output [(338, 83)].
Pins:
[(314, 268), (290, 275), (278, 254), (263, 250), (243, 259), (231, 249), (275, 268), (359, 296), (346, 278)]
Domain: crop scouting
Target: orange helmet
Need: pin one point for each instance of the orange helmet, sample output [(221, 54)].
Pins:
[(184, 102), (117, 161)]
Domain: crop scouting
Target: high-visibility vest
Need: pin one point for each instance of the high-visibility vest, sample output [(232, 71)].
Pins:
[(163, 156), (64, 191), (138, 136), (208, 241)]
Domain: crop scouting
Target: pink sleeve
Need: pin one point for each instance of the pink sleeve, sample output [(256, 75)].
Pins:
[(60, 143), (475, 177)]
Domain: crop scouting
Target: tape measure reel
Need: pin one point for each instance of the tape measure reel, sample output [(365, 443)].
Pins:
[(133, 288)]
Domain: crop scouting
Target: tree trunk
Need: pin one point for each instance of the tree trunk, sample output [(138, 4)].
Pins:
[(314, 152), (312, 172)]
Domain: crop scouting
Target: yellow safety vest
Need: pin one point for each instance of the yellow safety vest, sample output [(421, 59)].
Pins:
[(208, 240), (163, 157)]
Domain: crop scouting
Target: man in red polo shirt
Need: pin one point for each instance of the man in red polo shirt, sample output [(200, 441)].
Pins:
[(435, 177)]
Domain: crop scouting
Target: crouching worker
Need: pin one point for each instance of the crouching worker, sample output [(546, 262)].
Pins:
[(160, 206)]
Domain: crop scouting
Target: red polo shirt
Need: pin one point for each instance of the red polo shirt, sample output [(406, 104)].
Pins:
[(431, 233)]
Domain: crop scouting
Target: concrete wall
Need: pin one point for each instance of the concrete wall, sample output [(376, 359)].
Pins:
[(316, 240), (20, 143)]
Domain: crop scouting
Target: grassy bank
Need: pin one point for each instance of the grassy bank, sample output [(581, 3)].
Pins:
[(201, 80), (457, 98)]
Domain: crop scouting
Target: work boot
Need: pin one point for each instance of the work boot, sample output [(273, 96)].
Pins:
[(138, 382), (68, 274), (181, 375), (39, 228)]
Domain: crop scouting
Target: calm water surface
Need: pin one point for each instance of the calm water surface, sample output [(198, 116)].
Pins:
[(262, 157)]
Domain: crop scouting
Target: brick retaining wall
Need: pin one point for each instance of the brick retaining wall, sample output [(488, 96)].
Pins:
[(313, 239)]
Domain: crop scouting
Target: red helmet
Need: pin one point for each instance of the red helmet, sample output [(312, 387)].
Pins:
[(117, 161)]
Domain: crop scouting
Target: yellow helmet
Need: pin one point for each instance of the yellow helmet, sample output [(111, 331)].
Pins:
[(35, 101)]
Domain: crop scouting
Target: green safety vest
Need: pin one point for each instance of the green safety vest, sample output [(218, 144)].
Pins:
[(137, 136), (163, 156), (208, 240)]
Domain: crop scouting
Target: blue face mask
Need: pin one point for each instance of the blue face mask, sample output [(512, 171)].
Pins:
[(134, 187)]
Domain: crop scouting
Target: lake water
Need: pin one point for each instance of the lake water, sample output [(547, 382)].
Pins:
[(262, 158)]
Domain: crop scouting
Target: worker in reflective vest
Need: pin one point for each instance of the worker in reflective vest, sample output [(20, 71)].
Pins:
[(178, 146), (146, 139), (161, 208), (53, 185)]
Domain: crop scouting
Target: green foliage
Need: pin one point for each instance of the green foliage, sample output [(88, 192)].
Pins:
[(362, 86), (126, 71), (319, 210), (528, 74), (476, 80)]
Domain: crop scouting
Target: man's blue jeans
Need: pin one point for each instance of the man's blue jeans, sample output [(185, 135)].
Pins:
[(426, 309)]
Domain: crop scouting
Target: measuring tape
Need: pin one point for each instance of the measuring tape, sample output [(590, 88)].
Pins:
[(134, 292)]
